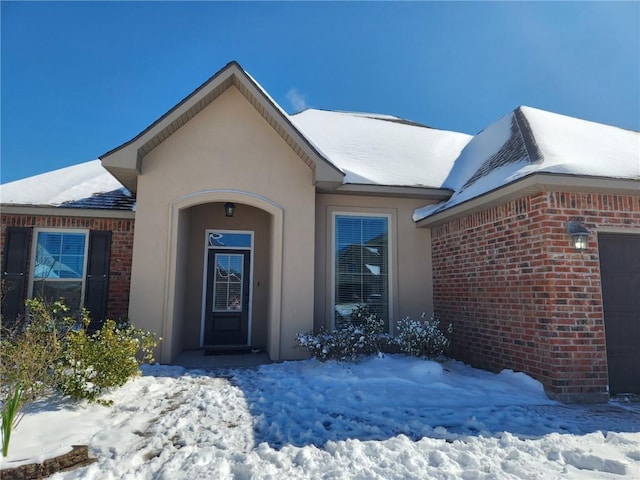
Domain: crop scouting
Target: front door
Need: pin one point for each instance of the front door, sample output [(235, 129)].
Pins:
[(226, 320)]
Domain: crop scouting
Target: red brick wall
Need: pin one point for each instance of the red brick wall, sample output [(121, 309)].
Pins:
[(520, 297), (121, 250)]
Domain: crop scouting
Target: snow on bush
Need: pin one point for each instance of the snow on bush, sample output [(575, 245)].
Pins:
[(422, 338), (365, 335)]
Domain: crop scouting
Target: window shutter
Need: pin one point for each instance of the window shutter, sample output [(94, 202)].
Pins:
[(14, 271), (97, 282)]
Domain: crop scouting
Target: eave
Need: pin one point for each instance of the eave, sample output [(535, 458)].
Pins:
[(531, 184), (391, 191), (54, 211)]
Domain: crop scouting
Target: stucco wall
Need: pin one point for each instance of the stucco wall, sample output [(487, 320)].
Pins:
[(121, 250), (228, 146), (520, 297), (411, 289)]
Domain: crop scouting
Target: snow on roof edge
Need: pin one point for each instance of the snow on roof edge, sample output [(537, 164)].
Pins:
[(83, 185), (433, 209)]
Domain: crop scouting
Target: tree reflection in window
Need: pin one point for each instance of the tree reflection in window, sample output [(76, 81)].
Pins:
[(58, 269), (361, 266), (227, 285)]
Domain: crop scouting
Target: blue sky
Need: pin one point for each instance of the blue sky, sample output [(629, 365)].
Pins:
[(81, 78)]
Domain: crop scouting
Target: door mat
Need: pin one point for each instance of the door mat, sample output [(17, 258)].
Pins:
[(234, 351)]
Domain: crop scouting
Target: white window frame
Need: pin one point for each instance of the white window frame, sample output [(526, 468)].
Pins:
[(34, 251), (390, 258), (208, 247)]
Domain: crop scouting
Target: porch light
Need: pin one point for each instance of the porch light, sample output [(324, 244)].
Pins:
[(579, 234), (229, 208)]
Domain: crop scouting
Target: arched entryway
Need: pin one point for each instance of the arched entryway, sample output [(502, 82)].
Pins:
[(192, 312)]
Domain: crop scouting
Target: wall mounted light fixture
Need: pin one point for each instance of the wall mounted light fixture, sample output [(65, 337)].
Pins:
[(579, 234), (229, 208)]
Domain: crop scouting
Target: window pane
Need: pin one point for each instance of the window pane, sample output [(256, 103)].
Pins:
[(222, 268), (50, 291), (44, 269), (70, 266), (374, 231), (72, 244), (361, 267), (221, 293), (59, 255), (235, 268), (235, 295), (230, 240)]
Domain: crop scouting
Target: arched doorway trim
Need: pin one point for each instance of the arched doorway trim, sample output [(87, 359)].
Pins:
[(170, 346)]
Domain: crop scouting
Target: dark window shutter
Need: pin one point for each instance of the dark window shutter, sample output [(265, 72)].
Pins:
[(97, 283), (14, 271)]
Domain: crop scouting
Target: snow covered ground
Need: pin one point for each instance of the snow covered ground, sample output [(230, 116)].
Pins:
[(387, 418)]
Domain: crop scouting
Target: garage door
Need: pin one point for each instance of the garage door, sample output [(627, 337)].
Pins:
[(620, 275)]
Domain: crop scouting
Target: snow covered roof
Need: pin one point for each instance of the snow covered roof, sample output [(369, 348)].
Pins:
[(528, 141), (86, 185), (382, 149)]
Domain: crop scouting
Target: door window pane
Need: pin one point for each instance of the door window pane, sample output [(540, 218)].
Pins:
[(361, 267), (227, 285)]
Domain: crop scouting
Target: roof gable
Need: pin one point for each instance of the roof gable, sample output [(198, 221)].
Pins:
[(529, 141), (125, 161), (520, 146)]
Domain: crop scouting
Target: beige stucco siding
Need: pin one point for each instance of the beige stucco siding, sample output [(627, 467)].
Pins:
[(227, 147), (410, 262)]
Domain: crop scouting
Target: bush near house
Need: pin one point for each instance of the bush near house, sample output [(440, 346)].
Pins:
[(347, 343), (50, 351), (422, 338), (364, 335), (107, 358), (28, 353)]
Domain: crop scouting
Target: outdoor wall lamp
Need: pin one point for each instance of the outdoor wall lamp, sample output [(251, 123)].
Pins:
[(578, 233), (229, 208)]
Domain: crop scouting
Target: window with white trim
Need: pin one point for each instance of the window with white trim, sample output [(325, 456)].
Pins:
[(58, 266), (361, 266)]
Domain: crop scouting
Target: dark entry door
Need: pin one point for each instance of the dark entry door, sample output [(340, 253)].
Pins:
[(227, 299), (620, 277)]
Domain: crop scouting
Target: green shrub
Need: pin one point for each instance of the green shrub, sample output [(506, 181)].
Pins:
[(422, 338), (29, 350), (31, 346), (49, 350), (93, 363)]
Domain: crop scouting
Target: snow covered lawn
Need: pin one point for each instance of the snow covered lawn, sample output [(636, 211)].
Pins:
[(387, 418)]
